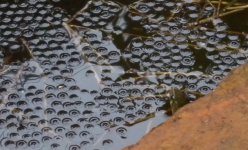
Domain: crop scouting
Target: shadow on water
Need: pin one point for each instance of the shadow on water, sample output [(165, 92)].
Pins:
[(70, 6)]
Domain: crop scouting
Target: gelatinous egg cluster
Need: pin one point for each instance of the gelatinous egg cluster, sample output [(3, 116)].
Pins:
[(152, 15), (98, 48), (99, 14), (134, 100), (160, 53), (154, 10), (26, 20), (193, 82), (81, 90)]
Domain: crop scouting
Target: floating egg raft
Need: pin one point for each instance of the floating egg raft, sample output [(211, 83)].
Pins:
[(100, 78)]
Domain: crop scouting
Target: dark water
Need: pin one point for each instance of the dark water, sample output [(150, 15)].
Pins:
[(101, 74)]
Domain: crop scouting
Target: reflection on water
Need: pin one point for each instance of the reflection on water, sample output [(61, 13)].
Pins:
[(101, 74)]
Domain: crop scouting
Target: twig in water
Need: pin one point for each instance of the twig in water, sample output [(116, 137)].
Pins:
[(218, 8), (211, 18), (24, 42), (75, 15)]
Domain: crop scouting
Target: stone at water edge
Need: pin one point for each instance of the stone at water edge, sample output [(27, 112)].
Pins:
[(218, 121)]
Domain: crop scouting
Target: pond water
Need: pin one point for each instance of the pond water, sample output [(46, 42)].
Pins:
[(99, 75)]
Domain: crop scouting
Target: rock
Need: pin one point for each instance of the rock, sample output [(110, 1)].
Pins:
[(218, 121)]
